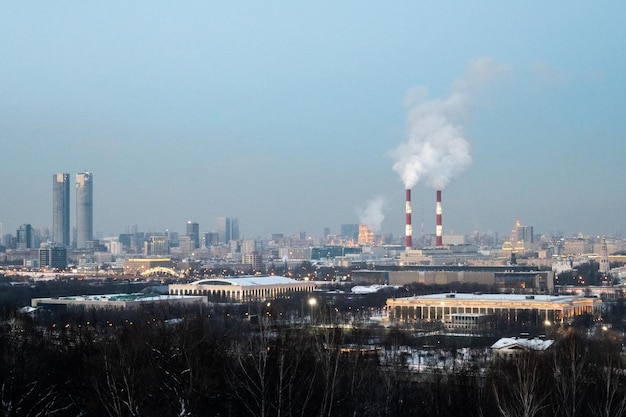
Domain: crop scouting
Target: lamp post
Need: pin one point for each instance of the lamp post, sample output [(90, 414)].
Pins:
[(312, 303)]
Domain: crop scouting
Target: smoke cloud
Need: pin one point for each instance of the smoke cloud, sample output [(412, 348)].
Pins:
[(372, 213), (436, 149)]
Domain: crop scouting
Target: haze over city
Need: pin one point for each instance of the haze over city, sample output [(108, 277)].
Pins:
[(297, 117)]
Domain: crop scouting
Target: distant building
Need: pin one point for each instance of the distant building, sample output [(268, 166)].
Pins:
[(507, 279), (254, 259), (242, 289), (61, 209), (84, 209), (193, 231), (350, 231), (157, 245), (136, 266), (333, 251), (454, 240), (53, 256), (116, 301), (186, 246), (547, 308), (25, 237), (366, 235), (211, 239), (577, 246), (227, 229)]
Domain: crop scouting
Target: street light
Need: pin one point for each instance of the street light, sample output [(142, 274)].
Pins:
[(312, 303)]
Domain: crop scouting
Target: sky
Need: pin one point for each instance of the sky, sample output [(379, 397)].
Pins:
[(293, 116)]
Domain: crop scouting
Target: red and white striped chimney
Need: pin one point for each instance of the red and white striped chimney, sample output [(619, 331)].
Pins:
[(409, 225), (439, 229)]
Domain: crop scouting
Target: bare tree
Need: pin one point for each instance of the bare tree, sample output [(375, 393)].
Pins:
[(328, 355), (122, 374), (248, 374), (570, 369), (609, 399), (521, 390)]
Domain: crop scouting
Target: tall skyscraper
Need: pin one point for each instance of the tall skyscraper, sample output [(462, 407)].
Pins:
[(61, 209), (234, 228), (228, 229), (84, 209), (25, 237), (193, 231), (223, 229)]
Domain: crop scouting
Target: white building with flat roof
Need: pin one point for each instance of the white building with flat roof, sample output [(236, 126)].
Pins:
[(553, 308), (115, 301), (244, 288)]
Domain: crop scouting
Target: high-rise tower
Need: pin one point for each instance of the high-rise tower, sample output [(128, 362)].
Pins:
[(605, 266), (61, 209), (84, 209), (227, 228), (193, 231), (25, 237)]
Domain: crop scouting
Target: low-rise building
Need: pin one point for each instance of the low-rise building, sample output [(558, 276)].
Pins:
[(511, 346), (549, 308), (116, 301), (242, 289)]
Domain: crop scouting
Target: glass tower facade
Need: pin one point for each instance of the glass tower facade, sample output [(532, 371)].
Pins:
[(84, 209), (61, 209)]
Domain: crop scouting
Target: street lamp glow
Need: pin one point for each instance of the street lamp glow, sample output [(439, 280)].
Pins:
[(312, 302)]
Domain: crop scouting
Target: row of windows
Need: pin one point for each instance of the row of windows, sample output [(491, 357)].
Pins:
[(238, 294)]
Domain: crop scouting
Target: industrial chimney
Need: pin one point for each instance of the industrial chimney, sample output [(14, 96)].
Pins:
[(409, 224), (439, 229)]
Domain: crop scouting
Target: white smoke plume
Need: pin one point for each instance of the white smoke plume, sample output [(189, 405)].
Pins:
[(372, 213), (436, 149)]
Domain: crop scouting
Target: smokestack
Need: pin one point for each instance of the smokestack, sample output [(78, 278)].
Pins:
[(439, 229), (409, 224)]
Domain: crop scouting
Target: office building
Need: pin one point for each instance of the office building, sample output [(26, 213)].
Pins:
[(25, 238), (211, 239), (227, 229), (53, 256), (193, 231), (156, 245), (254, 259), (350, 231), (61, 209), (84, 209)]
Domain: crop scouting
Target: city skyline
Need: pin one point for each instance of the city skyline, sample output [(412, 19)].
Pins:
[(289, 117)]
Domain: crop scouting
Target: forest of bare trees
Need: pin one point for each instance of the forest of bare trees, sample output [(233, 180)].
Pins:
[(214, 366)]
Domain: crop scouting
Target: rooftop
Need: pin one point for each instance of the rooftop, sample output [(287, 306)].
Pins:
[(498, 297), (522, 343), (248, 281)]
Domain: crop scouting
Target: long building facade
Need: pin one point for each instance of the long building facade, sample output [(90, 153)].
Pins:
[(438, 307), (505, 279), (243, 289)]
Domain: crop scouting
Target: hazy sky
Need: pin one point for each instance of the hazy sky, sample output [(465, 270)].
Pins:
[(290, 115)]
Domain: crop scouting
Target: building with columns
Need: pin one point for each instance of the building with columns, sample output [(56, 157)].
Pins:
[(243, 289), (439, 307)]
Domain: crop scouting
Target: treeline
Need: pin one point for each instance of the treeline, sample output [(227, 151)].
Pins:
[(199, 366)]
